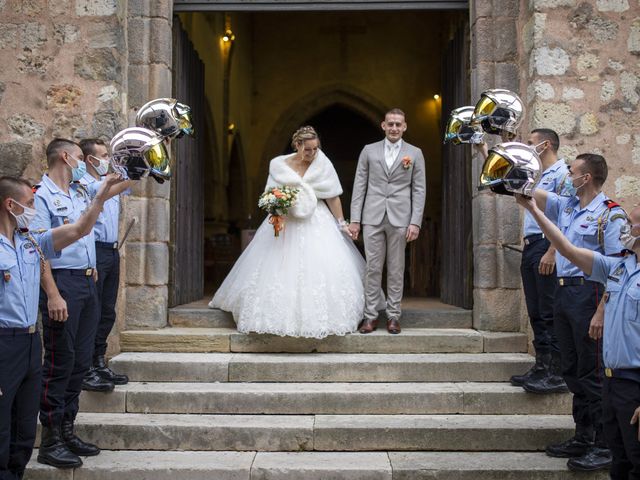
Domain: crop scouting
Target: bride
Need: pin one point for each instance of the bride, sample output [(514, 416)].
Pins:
[(308, 282)]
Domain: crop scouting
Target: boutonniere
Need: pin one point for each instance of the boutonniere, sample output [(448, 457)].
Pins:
[(406, 162)]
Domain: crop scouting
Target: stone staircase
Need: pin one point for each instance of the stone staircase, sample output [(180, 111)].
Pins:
[(206, 402)]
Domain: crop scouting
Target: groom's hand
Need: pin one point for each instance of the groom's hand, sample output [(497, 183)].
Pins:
[(354, 229), (412, 232)]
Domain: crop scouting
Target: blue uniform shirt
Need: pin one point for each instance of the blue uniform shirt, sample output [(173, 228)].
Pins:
[(55, 208), (621, 338), (552, 180), (106, 228), (20, 277), (580, 226)]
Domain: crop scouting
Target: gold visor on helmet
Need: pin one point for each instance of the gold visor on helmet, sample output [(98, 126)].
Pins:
[(158, 159), (451, 132), (494, 170), (484, 107), (182, 114)]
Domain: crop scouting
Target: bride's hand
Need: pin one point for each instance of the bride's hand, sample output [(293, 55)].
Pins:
[(346, 231)]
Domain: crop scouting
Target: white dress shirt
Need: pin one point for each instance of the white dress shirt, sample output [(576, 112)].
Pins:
[(391, 151)]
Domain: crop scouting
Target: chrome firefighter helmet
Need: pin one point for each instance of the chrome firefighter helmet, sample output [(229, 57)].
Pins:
[(167, 117), (499, 111), (140, 152), (511, 167), (459, 129)]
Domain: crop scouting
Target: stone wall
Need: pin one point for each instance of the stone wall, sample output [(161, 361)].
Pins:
[(63, 75), (581, 65)]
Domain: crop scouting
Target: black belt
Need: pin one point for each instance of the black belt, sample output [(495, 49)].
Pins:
[(109, 245), (529, 239), (81, 272), (626, 373), (17, 331), (571, 281)]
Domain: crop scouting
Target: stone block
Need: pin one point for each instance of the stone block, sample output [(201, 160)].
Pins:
[(173, 367), (497, 309), (509, 223), (160, 49), (24, 127), (147, 263), (63, 97), (633, 40), (505, 8), (480, 8), (588, 124), (587, 61), (100, 402), (98, 64), (8, 35), (152, 216), (629, 86), (3, 87), (617, 6), (508, 76), (175, 340), (106, 123), (296, 398), (138, 90), (627, 186), (534, 31), (14, 158), (549, 61), (502, 342), (439, 432), (138, 30), (539, 5), (484, 220), (146, 307), (505, 42), (161, 80), (485, 266), (200, 317), (38, 471), (150, 188), (540, 90), (572, 93), (107, 33), (508, 268), (68, 126), (96, 8), (33, 35), (482, 41), (65, 33), (33, 63), (58, 8), (557, 116), (607, 91), (482, 78), (196, 432), (504, 399), (480, 466), (30, 8), (321, 466), (363, 367)]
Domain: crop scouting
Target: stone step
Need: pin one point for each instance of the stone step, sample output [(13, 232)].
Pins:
[(320, 367), (412, 340), (155, 465), (440, 316), (133, 431), (324, 398)]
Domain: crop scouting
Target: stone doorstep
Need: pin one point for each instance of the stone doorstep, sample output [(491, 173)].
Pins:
[(323, 432), (320, 367), (412, 340), (315, 466), (203, 316), (324, 398)]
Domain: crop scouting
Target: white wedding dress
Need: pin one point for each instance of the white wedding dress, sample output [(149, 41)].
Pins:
[(308, 282)]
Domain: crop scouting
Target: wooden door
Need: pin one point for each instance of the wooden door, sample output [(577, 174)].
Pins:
[(456, 274), (187, 183)]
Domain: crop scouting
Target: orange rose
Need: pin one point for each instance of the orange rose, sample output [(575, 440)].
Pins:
[(406, 162), (277, 193)]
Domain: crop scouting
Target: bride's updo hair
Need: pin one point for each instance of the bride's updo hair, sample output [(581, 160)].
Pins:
[(304, 133)]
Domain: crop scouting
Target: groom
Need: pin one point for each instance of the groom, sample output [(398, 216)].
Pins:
[(388, 200)]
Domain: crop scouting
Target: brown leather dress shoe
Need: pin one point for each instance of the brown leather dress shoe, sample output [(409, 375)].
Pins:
[(368, 326), (393, 326)]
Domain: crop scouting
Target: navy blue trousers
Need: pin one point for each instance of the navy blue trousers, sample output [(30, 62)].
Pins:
[(68, 347), (539, 292), (620, 398), (581, 357), (108, 264), (20, 362)]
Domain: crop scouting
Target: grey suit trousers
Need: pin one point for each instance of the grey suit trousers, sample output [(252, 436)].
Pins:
[(382, 242)]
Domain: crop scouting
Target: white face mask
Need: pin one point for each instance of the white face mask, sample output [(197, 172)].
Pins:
[(103, 165), (535, 147), (26, 217), (628, 240)]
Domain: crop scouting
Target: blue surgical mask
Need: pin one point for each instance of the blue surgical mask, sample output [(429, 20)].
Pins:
[(78, 171), (569, 188)]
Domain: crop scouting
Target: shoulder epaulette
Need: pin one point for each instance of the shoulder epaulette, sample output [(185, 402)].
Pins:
[(611, 204), (606, 217)]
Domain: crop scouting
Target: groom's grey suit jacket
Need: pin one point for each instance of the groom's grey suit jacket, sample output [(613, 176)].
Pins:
[(396, 191)]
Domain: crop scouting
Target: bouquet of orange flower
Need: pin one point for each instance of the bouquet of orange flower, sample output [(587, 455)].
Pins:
[(277, 201)]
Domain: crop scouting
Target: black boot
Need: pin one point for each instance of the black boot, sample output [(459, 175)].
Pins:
[(595, 458), (536, 371), (104, 372), (551, 381), (53, 451), (575, 447), (95, 383), (74, 443)]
